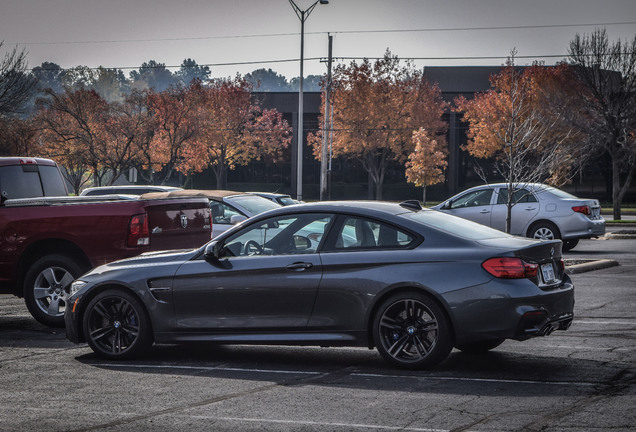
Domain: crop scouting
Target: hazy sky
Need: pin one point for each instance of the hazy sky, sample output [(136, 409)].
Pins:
[(126, 33)]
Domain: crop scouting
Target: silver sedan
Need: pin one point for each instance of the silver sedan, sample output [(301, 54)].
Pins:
[(539, 211)]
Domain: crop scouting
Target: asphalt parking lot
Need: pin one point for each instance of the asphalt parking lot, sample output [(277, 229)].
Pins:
[(579, 380)]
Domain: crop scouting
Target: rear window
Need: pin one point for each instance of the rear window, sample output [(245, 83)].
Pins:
[(16, 183), (455, 225)]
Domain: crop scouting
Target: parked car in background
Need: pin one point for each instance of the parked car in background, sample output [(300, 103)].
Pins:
[(126, 190), (228, 208), (48, 239), (282, 199), (413, 283), (540, 211)]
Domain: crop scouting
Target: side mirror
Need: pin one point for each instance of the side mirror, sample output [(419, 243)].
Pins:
[(237, 219), (212, 251), (301, 242)]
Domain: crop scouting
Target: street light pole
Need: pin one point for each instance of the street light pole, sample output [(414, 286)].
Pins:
[(302, 15)]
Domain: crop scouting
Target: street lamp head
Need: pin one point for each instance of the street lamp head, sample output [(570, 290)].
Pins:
[(324, 1)]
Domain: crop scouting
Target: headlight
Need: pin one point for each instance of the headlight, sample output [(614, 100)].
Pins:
[(76, 286)]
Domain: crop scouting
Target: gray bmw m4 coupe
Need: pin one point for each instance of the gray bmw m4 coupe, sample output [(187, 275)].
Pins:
[(411, 282)]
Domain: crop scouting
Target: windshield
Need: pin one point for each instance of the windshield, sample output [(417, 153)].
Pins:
[(253, 203), (455, 225)]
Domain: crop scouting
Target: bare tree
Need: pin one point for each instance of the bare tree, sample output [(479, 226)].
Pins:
[(608, 73), (16, 85), (512, 123)]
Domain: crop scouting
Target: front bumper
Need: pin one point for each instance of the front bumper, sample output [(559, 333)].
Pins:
[(72, 323)]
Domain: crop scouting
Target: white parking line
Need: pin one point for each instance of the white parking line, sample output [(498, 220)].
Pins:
[(353, 374), (505, 381), (626, 323), (328, 424)]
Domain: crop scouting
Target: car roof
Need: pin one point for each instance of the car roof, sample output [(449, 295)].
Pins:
[(6, 161), (216, 195), (270, 194), (368, 208)]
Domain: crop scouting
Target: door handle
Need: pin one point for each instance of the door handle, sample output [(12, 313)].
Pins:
[(530, 208), (299, 266), (484, 211)]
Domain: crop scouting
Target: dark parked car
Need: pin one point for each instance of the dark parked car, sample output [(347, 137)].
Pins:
[(278, 198), (413, 283), (126, 190)]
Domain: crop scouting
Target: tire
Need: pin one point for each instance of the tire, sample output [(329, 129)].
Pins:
[(570, 244), (116, 325), (411, 331), (544, 231), (47, 285), (479, 347)]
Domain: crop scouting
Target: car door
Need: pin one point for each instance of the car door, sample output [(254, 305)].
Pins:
[(523, 212), (266, 277), (474, 205)]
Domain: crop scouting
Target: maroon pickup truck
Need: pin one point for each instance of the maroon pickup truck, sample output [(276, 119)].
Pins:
[(48, 239)]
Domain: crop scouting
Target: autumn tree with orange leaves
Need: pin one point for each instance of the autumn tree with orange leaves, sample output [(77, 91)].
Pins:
[(176, 114), (425, 166), (519, 125), (72, 132), (376, 108), (233, 130)]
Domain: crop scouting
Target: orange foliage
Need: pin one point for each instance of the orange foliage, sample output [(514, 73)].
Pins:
[(376, 107), (426, 164)]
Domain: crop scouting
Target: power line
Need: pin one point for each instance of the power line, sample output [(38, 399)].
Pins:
[(266, 35)]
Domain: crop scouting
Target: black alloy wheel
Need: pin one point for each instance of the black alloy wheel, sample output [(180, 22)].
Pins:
[(116, 325), (411, 331)]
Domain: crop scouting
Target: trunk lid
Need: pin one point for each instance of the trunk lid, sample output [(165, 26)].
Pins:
[(178, 223)]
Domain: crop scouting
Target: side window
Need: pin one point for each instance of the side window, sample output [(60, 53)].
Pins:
[(518, 196), (360, 233), (221, 212), (299, 234), (473, 199)]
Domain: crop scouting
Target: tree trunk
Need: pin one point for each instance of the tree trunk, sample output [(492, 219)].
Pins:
[(221, 176), (424, 195)]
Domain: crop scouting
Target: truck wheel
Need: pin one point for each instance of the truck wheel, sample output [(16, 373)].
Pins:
[(47, 285)]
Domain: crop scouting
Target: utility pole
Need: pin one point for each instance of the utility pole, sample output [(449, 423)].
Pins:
[(302, 16), (326, 132)]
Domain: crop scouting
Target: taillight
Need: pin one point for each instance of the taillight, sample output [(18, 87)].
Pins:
[(138, 232), (510, 268), (582, 209)]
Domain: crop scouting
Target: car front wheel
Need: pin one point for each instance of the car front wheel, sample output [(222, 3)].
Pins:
[(116, 325), (411, 331)]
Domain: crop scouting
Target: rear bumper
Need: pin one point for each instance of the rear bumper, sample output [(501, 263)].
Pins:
[(514, 310), (584, 228)]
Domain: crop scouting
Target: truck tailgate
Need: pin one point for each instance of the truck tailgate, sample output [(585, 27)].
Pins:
[(175, 222)]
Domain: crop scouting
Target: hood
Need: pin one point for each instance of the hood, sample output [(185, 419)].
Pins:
[(149, 259)]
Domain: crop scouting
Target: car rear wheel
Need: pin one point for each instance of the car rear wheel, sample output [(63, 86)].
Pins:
[(479, 347), (116, 325), (46, 287), (411, 331), (570, 244), (544, 231)]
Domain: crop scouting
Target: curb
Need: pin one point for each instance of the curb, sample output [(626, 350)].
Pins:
[(589, 266)]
